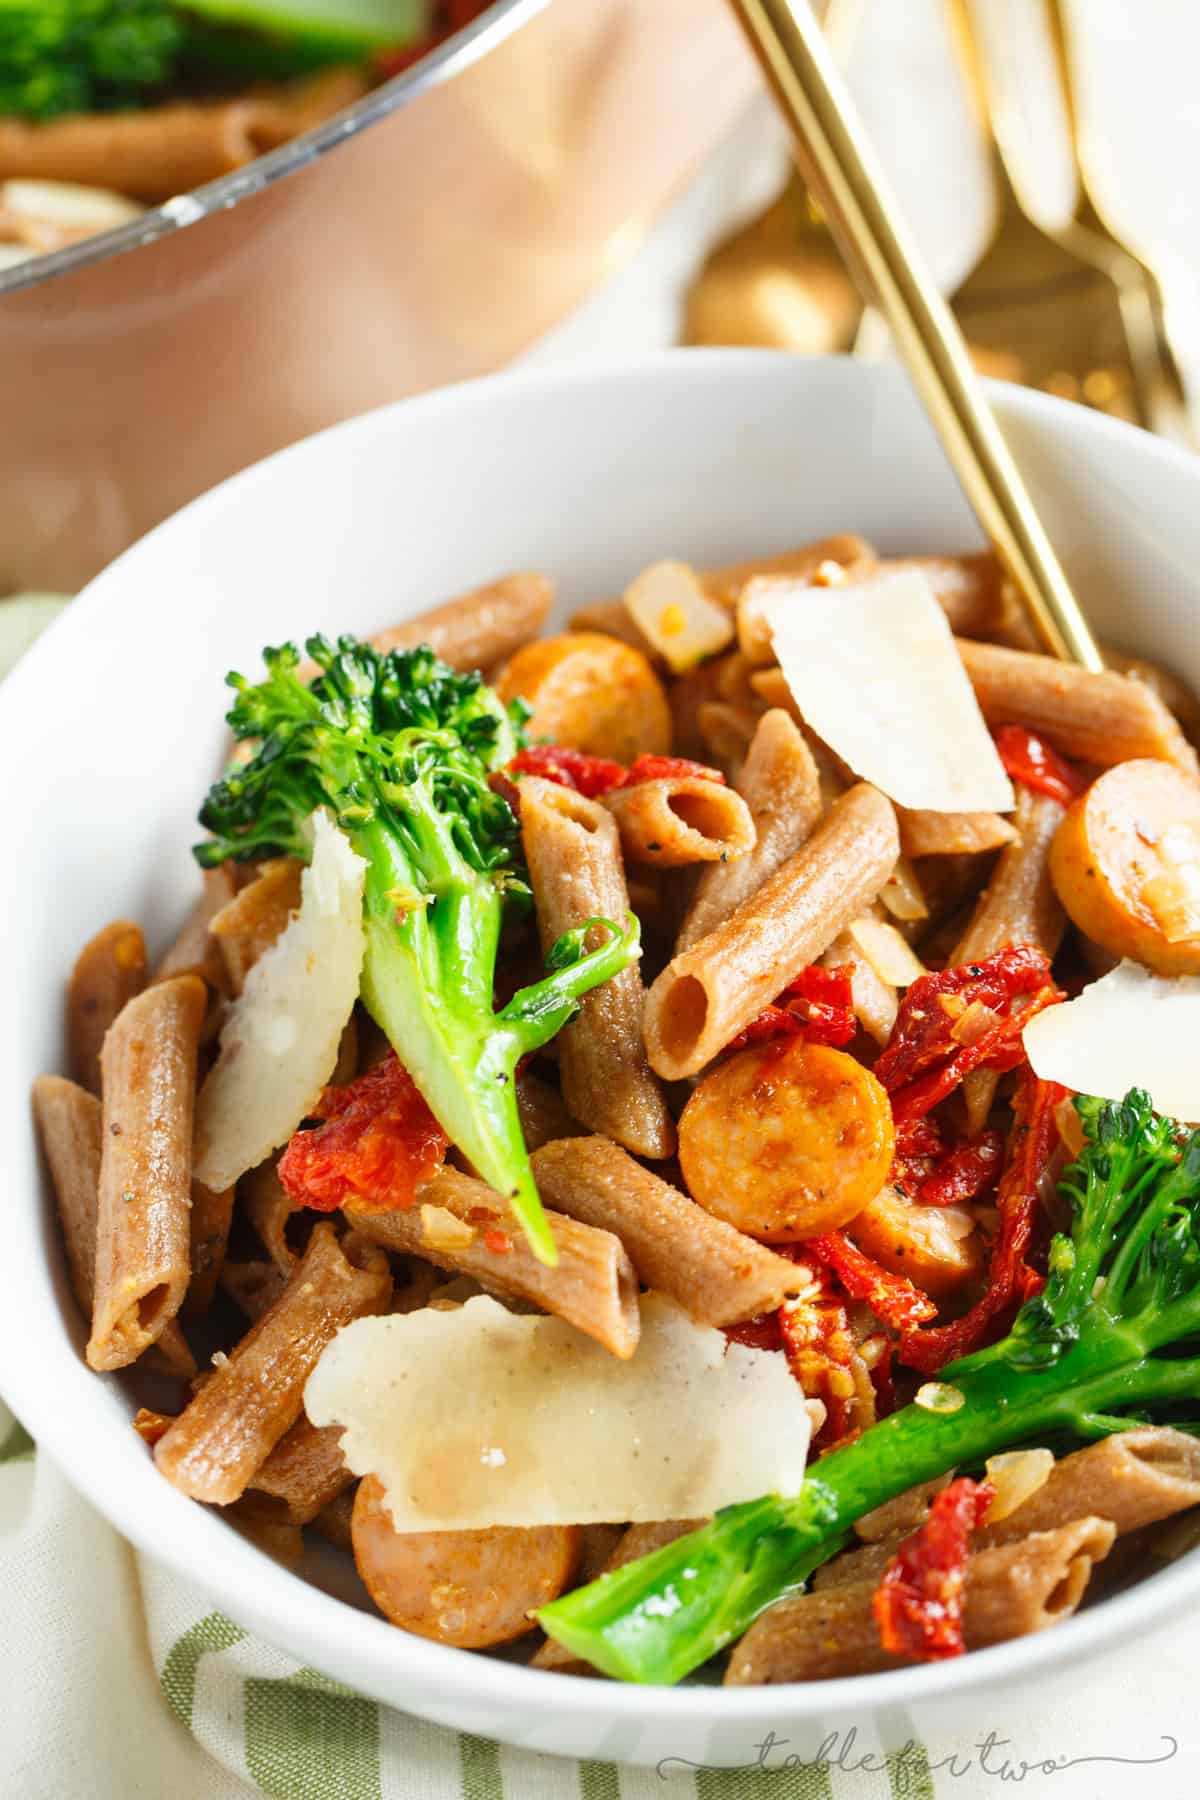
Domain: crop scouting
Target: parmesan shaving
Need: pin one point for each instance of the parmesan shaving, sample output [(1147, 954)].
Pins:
[(886, 951), (1129, 1029), (688, 1424), (673, 613), (875, 674), (280, 1042)]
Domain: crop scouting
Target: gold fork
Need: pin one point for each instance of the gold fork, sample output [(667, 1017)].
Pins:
[(1096, 314)]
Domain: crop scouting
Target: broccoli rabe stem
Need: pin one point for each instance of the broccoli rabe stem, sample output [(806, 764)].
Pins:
[(658, 1619), (427, 982)]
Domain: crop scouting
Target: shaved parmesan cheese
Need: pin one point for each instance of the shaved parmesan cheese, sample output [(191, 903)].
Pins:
[(1129, 1029), (891, 958), (428, 1400), (875, 674), (673, 613), (280, 1042)]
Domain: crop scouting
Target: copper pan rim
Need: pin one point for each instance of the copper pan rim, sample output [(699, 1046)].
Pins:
[(459, 52)]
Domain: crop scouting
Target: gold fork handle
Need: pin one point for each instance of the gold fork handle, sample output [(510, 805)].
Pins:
[(839, 165)]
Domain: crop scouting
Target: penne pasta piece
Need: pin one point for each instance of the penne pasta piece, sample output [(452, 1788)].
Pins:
[(680, 820), (195, 951), (1133, 1478), (780, 786), (726, 733), (254, 1287), (1101, 718), (148, 155), (699, 687), (716, 1273), (1174, 693), (952, 834), (69, 1122), (256, 1394), (276, 1537), (544, 1116), (211, 1217), (592, 1287), (574, 856), (108, 971), (897, 1517), (937, 1247), (255, 917), (1019, 905), (711, 991), (486, 626), (1012, 1590), (268, 1207), (635, 1541), (143, 1263), (304, 1472)]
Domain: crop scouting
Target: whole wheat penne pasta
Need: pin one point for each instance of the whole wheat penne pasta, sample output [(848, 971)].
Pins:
[(681, 819), (225, 1434), (275, 1536), (593, 1286), (835, 776), (634, 1541), (268, 1207), (1134, 1478), (1012, 1590), (195, 951), (256, 916), (211, 1217), (1102, 718), (706, 995), (899, 1516), (574, 856), (726, 733), (779, 783), (699, 687), (289, 110), (108, 971), (143, 1258), (1019, 905), (480, 628), (952, 834), (544, 1116), (69, 1121), (148, 155), (304, 1472), (1174, 693), (254, 1287), (713, 1270)]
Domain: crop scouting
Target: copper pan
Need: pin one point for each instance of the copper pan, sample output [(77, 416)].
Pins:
[(426, 235)]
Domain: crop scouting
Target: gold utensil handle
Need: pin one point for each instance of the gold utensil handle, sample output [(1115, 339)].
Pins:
[(839, 165)]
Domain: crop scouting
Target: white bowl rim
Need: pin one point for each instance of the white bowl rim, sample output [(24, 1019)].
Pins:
[(286, 1610)]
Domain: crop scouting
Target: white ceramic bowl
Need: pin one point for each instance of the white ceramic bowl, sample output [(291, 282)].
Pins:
[(111, 729)]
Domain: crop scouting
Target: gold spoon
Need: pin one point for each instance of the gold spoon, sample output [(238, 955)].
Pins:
[(839, 166)]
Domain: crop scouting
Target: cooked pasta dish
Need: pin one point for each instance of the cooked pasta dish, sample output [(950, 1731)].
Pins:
[(671, 1139)]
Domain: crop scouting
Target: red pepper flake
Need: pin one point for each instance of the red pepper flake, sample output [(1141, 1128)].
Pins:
[(892, 1298), (965, 1172), (669, 768), (1032, 1142), (377, 1143), (818, 1005), (1030, 760), (495, 1241), (919, 1604)]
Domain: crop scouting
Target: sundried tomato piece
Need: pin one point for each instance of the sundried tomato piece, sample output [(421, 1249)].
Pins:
[(965, 1172), (892, 1298), (669, 768), (919, 1603), (378, 1141), (590, 775), (1030, 760)]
